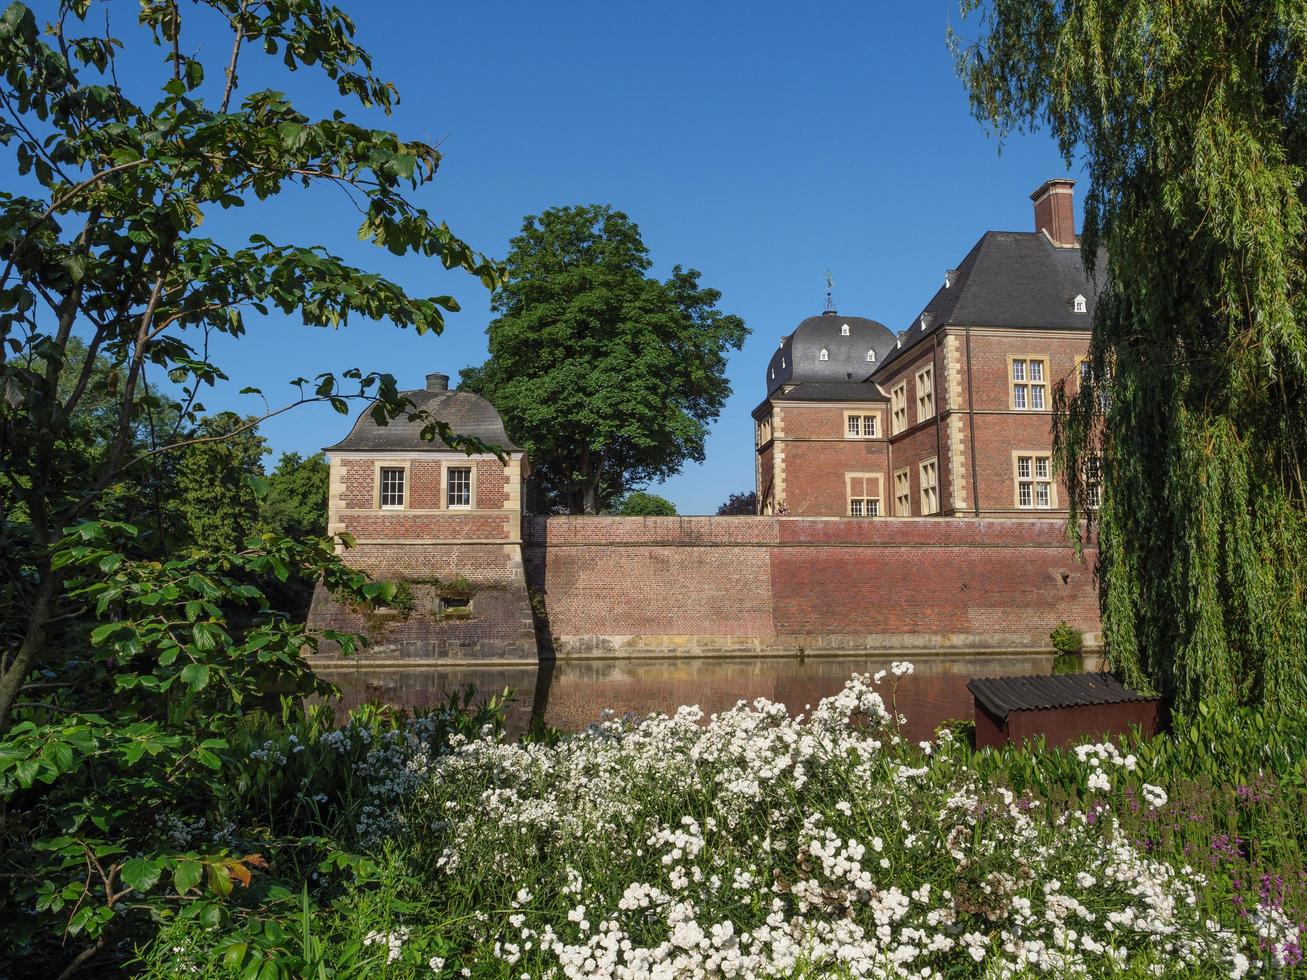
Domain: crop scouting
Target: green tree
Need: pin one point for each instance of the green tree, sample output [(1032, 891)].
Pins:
[(739, 505), (214, 499), (126, 672), (105, 236), (296, 502), (1192, 121), (606, 375), (639, 503)]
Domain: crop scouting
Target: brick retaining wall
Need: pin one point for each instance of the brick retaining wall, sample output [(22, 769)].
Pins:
[(765, 585)]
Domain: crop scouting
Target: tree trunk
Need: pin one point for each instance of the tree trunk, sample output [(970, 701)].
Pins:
[(38, 623)]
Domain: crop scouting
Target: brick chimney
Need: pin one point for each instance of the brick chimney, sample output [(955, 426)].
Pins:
[(437, 382), (1055, 211)]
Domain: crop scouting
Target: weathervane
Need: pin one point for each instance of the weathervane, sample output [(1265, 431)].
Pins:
[(830, 284)]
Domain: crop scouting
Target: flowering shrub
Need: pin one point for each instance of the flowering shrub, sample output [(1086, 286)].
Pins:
[(755, 844)]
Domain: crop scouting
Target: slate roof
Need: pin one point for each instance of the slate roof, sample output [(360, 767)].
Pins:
[(466, 413), (825, 391), (832, 391), (798, 359), (1010, 279), (1001, 695)]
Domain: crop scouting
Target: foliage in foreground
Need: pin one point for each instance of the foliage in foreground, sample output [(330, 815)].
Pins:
[(760, 845), (1192, 121)]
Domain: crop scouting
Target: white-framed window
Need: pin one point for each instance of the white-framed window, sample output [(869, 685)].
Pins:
[(871, 356), (1093, 473), (1034, 478), (930, 487), (764, 429), (864, 494), (844, 330), (1086, 374), (458, 487), (1029, 380), (902, 493), (1079, 305), (898, 399), (824, 355), (860, 426), (390, 488), (925, 393)]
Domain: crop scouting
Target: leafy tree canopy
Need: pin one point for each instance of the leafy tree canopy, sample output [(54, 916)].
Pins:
[(296, 502), (217, 482), (1192, 121), (739, 505), (639, 503), (607, 376), (126, 670)]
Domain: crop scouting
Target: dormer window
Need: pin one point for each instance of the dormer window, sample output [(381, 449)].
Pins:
[(782, 364), (1078, 305), (925, 320), (824, 355), (844, 330), (871, 355), (773, 374)]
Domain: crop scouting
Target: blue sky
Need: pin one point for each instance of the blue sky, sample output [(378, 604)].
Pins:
[(759, 143)]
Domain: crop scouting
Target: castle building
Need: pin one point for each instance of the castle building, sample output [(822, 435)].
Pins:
[(950, 417), (953, 415), (446, 524)]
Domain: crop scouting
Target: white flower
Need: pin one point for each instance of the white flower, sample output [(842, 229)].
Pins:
[(1099, 782), (1154, 796)]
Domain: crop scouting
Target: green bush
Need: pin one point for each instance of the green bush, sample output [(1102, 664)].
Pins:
[(1067, 639)]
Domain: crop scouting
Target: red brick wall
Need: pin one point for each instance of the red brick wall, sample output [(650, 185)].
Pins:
[(1001, 430), (668, 576), (425, 486), (943, 575), (400, 525), (814, 474), (487, 563), (492, 485), (771, 578), (360, 480)]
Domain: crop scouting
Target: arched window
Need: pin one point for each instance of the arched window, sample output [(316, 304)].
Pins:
[(824, 355), (844, 330), (1079, 305), (871, 355)]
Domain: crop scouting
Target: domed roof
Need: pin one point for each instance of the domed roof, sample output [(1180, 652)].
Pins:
[(467, 414), (829, 347)]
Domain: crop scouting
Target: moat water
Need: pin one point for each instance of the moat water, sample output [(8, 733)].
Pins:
[(570, 694)]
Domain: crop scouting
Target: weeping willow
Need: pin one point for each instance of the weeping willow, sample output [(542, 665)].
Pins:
[(1189, 118)]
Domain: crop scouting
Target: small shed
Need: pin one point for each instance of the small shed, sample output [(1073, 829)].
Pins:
[(1061, 707)]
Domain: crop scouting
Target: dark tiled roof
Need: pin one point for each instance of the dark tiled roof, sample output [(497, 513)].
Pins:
[(832, 391), (798, 359), (1000, 695), (1010, 279), (466, 413)]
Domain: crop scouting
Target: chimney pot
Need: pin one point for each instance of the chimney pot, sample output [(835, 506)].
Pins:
[(1055, 211), (437, 381)]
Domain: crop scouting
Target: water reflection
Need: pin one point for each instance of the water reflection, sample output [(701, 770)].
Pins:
[(570, 694)]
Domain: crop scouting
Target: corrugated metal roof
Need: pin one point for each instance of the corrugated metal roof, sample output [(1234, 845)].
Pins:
[(1001, 695)]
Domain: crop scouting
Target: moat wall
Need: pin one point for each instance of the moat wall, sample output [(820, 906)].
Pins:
[(768, 585), (762, 586)]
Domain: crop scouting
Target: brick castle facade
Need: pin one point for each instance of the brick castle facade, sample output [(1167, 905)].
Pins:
[(942, 431)]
